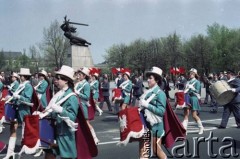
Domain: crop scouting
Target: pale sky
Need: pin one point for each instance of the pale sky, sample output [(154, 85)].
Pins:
[(112, 21)]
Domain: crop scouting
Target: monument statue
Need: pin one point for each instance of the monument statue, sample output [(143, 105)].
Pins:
[(69, 31)]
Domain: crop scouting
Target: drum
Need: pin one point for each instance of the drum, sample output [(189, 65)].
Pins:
[(117, 95), (221, 91), (46, 132), (10, 112)]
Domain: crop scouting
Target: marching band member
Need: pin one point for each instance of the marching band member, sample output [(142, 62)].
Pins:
[(126, 87), (94, 86), (15, 84), (1, 117), (66, 109), (22, 94), (41, 88), (233, 106), (193, 88), (1, 86), (82, 88), (153, 102)]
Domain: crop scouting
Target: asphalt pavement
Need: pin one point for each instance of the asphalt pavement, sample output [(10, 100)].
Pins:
[(213, 143)]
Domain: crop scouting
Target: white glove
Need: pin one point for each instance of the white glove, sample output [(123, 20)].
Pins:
[(16, 96), (233, 90), (56, 108), (143, 103), (9, 87)]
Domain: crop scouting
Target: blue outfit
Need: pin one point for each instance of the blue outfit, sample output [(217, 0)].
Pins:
[(194, 101), (41, 89), (84, 95), (157, 106), (64, 136)]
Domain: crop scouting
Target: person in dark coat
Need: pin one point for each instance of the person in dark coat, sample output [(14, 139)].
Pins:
[(137, 89), (105, 89), (234, 105)]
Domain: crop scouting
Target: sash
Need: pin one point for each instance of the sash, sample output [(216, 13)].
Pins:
[(123, 86), (38, 94)]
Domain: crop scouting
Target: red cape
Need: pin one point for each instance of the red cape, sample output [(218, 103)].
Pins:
[(91, 108), (86, 147), (172, 126), (4, 94)]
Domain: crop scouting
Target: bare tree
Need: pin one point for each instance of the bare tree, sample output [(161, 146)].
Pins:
[(54, 45)]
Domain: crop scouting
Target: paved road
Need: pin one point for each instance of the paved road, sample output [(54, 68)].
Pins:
[(107, 129)]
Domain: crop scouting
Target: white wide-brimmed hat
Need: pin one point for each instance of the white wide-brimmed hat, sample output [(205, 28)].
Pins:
[(127, 73), (85, 71), (43, 72), (155, 70), (193, 70), (24, 71), (96, 74), (14, 74), (66, 71)]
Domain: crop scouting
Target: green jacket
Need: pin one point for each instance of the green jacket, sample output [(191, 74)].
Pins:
[(42, 88), (64, 136)]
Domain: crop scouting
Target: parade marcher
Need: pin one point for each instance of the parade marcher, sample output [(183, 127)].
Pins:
[(63, 107), (42, 88), (126, 87), (2, 118), (15, 82), (193, 88), (234, 105), (21, 96), (82, 88), (1, 86), (222, 76), (94, 87), (118, 81), (105, 86), (137, 89), (153, 101), (165, 85)]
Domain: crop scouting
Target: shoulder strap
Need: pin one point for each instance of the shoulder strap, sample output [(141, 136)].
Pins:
[(65, 98)]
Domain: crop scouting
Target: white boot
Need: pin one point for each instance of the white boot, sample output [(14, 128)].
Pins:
[(201, 128), (185, 124), (94, 136), (11, 147), (39, 153), (99, 110)]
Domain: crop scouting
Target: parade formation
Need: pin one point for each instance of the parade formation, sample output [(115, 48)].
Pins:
[(58, 123)]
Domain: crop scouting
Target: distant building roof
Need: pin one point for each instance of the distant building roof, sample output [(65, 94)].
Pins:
[(11, 54)]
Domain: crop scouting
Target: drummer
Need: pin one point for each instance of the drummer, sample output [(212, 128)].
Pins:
[(65, 138), (193, 88), (234, 105), (41, 87), (23, 93)]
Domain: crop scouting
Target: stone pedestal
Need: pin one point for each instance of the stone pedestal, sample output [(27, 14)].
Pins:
[(79, 56)]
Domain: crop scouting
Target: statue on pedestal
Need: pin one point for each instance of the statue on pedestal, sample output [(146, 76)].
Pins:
[(69, 30)]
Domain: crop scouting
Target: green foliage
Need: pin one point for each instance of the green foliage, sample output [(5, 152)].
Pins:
[(214, 52)]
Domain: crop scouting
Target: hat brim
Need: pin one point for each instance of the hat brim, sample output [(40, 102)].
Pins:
[(150, 72), (42, 74), (22, 74), (83, 72), (60, 73)]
